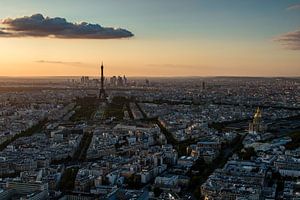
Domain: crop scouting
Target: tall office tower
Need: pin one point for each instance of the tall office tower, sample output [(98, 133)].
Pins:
[(113, 81), (203, 85), (147, 82), (102, 93), (125, 80), (119, 81)]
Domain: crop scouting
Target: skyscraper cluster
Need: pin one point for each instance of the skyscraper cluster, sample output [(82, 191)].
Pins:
[(84, 79), (118, 81)]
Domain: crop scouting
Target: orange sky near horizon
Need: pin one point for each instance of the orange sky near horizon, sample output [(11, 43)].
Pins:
[(141, 57)]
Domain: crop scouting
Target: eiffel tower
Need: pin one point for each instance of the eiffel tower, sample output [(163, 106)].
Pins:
[(102, 93)]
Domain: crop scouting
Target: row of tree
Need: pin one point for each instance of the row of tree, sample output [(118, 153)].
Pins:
[(29, 132)]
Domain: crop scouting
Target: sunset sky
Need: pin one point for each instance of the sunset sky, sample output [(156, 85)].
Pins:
[(157, 37)]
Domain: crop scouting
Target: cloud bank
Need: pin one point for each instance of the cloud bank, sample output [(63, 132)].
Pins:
[(290, 40), (58, 62), (294, 7), (39, 26)]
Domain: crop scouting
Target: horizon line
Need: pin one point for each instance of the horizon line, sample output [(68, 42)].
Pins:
[(163, 76)]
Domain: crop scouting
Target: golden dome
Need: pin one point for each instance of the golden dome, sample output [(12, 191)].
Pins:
[(258, 113)]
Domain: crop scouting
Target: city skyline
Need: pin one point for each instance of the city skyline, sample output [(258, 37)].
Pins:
[(151, 38)]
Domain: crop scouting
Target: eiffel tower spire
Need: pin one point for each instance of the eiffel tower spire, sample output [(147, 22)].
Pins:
[(102, 93)]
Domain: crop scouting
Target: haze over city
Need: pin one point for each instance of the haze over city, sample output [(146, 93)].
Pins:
[(156, 38)]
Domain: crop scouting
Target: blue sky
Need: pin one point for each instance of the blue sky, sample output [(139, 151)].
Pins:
[(195, 22), (236, 18)]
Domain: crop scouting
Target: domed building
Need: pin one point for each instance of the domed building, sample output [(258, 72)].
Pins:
[(257, 125)]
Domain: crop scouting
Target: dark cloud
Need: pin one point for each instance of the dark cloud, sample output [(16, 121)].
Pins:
[(294, 7), (290, 40), (39, 26), (58, 62)]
